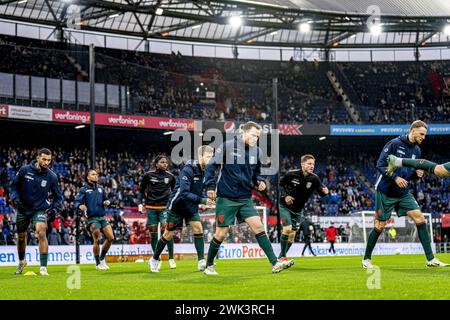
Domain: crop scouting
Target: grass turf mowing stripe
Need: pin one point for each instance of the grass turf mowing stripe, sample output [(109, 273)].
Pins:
[(401, 277)]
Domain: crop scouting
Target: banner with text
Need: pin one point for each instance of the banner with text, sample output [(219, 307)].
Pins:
[(69, 116), (27, 113), (384, 130), (81, 117), (284, 129)]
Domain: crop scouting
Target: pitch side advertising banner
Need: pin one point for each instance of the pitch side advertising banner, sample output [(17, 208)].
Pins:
[(284, 129), (69, 116), (4, 110), (26, 113), (144, 122), (60, 255), (384, 130), (106, 119), (325, 222), (252, 250), (116, 120)]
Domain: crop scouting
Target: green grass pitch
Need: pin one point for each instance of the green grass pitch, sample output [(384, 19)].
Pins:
[(401, 277)]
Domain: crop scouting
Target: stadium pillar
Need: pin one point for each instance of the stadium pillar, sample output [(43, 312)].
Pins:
[(416, 54), (77, 237), (327, 55), (92, 105), (277, 176)]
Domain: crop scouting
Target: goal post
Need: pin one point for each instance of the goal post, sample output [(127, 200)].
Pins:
[(237, 231), (404, 229), (208, 217)]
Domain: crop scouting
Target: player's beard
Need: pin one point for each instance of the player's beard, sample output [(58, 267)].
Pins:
[(42, 166)]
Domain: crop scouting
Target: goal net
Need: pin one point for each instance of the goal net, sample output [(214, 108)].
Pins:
[(398, 229), (238, 233)]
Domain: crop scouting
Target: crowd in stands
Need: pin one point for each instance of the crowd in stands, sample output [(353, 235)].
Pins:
[(177, 86), (399, 92), (36, 57), (120, 174), (347, 192), (243, 89)]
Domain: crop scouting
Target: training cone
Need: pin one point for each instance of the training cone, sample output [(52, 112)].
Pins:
[(29, 273)]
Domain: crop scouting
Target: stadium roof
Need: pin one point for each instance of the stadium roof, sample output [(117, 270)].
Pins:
[(326, 23), (407, 8)]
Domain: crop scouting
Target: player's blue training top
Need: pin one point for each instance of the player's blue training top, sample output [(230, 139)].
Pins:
[(92, 196), (31, 187), (188, 191), (402, 148), (240, 168)]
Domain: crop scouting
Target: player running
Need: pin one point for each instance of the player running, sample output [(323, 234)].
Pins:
[(155, 189), (92, 200), (240, 167), (393, 193), (29, 193), (440, 170), (183, 205), (298, 186)]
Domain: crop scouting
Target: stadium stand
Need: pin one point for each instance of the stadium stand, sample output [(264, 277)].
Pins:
[(120, 173), (159, 86)]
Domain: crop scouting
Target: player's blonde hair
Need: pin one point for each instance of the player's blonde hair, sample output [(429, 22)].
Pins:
[(307, 157), (250, 124), (204, 149), (418, 124)]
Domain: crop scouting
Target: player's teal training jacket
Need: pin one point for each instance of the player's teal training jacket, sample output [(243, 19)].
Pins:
[(240, 168), (31, 188), (402, 148), (188, 191), (92, 196)]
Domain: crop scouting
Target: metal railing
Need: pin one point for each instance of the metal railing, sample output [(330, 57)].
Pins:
[(61, 93), (442, 247)]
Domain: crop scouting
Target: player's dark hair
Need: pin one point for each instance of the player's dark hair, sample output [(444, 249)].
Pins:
[(250, 124), (307, 157), (418, 124), (87, 173), (44, 151), (159, 157)]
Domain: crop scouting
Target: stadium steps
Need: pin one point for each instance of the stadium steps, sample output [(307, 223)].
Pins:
[(77, 65), (363, 179), (345, 83), (353, 113)]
